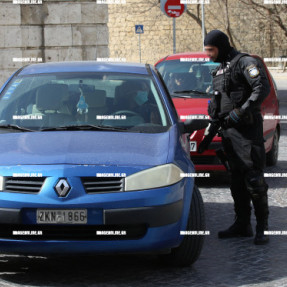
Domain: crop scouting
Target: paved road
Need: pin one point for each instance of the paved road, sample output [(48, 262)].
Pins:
[(223, 263)]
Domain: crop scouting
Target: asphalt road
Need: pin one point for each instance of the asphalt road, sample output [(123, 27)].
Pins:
[(226, 263)]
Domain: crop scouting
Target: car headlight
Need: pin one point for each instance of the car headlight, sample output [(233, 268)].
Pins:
[(159, 176), (1, 183)]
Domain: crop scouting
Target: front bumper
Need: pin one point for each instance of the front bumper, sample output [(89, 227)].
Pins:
[(152, 216), (152, 220), (155, 240)]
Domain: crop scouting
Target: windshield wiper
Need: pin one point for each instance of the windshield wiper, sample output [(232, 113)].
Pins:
[(191, 92), (84, 127), (180, 96), (15, 127)]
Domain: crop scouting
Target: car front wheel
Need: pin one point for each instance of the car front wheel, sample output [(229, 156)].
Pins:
[(190, 248)]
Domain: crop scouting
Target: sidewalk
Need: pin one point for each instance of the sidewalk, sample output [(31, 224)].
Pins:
[(278, 74)]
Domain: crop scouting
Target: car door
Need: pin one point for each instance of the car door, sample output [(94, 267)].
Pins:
[(269, 108)]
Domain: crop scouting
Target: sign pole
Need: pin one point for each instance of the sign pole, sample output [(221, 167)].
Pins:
[(174, 36), (139, 29), (140, 48), (203, 25), (174, 9)]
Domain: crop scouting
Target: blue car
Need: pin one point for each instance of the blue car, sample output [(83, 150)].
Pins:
[(94, 159)]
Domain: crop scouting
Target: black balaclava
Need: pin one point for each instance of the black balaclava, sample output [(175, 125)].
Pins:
[(221, 41)]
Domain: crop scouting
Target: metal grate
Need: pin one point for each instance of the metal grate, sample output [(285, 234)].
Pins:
[(24, 185), (103, 184)]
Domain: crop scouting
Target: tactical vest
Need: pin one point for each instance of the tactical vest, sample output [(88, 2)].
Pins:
[(233, 92)]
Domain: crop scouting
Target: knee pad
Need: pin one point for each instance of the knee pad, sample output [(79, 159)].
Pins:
[(256, 185)]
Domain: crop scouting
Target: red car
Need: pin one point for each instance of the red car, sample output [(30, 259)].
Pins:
[(188, 79)]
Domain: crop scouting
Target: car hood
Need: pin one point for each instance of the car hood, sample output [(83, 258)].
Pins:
[(84, 147), (193, 106)]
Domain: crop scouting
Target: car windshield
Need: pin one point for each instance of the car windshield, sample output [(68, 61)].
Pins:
[(192, 77), (115, 101)]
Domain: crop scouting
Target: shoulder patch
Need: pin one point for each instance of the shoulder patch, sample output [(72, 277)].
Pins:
[(253, 71)]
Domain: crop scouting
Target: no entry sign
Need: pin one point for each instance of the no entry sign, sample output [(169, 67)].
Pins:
[(172, 8)]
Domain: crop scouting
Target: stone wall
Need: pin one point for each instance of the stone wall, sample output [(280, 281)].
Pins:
[(52, 31), (252, 33), (62, 30)]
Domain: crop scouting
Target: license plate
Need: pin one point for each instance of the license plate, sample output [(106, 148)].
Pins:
[(66, 216), (193, 146)]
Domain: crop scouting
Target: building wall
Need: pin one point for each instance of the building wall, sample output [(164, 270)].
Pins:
[(252, 33), (63, 30), (52, 31)]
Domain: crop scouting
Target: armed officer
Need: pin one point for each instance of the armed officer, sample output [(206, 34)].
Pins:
[(240, 86)]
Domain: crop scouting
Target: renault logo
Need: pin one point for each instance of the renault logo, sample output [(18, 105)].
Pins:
[(62, 187)]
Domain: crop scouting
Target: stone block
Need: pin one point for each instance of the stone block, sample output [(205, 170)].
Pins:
[(31, 36), (35, 55), (10, 14), (10, 36), (7, 56), (90, 35), (34, 14), (94, 13), (63, 54), (58, 36), (63, 13)]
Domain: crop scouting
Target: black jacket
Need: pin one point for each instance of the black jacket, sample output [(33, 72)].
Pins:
[(249, 85)]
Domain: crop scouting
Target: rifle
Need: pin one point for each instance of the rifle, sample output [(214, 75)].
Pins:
[(217, 121), (223, 158), (212, 131)]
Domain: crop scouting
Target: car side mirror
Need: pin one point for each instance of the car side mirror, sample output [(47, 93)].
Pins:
[(189, 126)]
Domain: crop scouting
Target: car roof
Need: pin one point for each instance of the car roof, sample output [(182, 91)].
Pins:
[(84, 66), (191, 55), (183, 55)]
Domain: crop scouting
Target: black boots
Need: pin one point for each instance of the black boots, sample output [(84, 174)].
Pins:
[(244, 229), (241, 227), (260, 237), (257, 187), (261, 213), (237, 229), (248, 186)]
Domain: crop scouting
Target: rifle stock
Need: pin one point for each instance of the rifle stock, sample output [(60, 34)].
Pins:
[(223, 158)]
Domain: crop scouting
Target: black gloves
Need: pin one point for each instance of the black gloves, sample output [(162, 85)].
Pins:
[(233, 119), (236, 118)]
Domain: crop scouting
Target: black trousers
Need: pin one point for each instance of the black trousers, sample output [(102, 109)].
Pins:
[(244, 147)]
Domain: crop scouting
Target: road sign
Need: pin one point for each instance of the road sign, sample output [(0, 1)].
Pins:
[(172, 8), (139, 29)]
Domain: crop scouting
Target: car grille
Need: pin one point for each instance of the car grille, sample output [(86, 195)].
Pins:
[(71, 232), (24, 185), (103, 184), (211, 160)]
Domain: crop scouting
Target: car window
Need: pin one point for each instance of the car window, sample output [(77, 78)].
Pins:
[(60, 99), (167, 92), (187, 75)]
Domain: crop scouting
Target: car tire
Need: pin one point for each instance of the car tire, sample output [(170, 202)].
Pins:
[(190, 248), (272, 155)]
